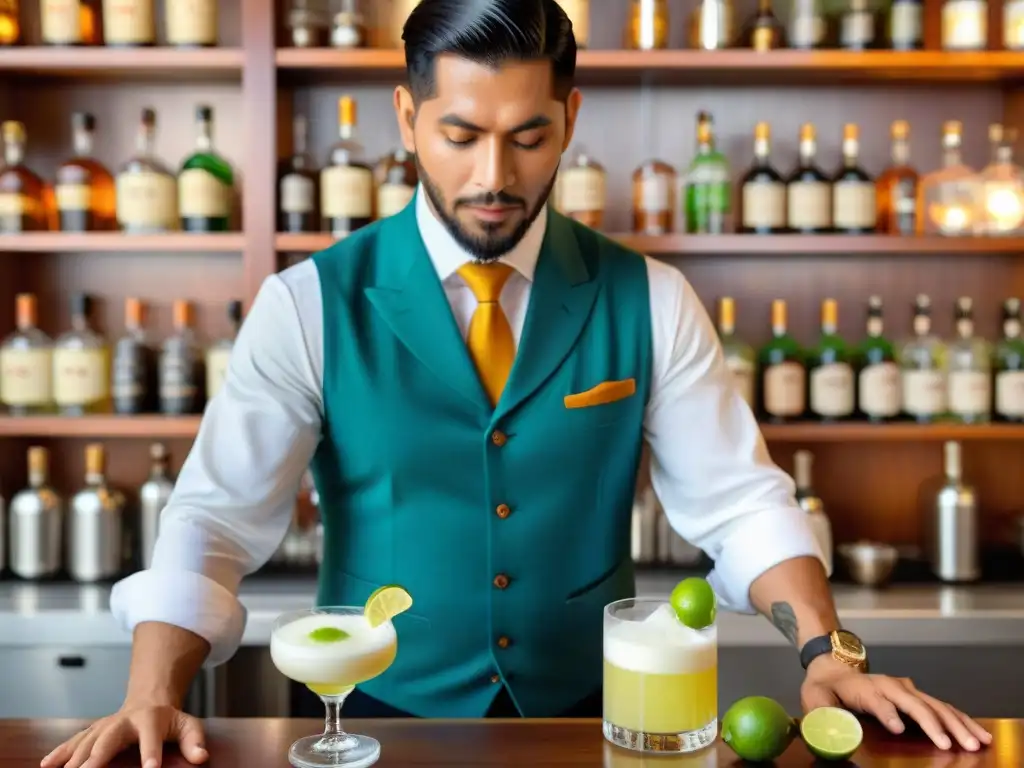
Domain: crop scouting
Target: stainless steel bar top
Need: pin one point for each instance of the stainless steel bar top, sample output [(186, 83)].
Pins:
[(33, 615)]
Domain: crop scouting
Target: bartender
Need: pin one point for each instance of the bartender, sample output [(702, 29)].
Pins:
[(472, 381)]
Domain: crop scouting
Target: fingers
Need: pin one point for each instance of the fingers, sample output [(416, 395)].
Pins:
[(909, 701), (115, 737), (876, 703), (190, 739), (968, 733), (84, 746), (151, 741), (63, 753)]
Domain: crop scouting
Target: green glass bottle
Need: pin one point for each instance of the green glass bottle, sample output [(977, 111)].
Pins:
[(708, 186), (783, 378), (205, 183), (1009, 366), (878, 373), (829, 372)]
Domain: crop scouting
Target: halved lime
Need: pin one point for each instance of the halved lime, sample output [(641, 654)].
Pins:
[(694, 602), (831, 733), (386, 603), (328, 635)]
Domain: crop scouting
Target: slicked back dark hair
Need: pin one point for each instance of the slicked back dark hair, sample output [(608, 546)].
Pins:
[(488, 32)]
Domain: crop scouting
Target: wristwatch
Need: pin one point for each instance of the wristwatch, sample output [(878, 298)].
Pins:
[(844, 646)]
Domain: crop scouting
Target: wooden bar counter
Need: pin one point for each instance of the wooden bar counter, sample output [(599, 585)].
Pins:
[(240, 743)]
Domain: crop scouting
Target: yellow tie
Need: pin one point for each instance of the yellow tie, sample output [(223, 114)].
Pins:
[(490, 339)]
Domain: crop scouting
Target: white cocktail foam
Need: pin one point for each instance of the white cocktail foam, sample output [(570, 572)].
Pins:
[(661, 645), (305, 660)]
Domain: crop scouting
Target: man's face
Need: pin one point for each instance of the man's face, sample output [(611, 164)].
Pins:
[(488, 145)]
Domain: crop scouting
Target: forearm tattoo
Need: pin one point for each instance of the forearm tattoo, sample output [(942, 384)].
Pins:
[(785, 621)]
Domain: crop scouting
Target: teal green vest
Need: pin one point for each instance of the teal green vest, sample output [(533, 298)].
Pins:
[(410, 474)]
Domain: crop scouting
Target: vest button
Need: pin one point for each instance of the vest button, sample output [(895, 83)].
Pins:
[(503, 511), (501, 581), (504, 642), (499, 438), (495, 678)]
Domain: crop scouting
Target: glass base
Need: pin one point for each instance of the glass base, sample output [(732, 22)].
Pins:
[(663, 743), (348, 751)]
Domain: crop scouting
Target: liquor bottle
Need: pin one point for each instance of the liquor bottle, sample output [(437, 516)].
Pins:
[(896, 188), (763, 190), (218, 354), (1009, 367), (346, 183), (711, 25), (297, 184), (70, 22), (307, 22), (808, 192), (147, 192), (949, 195), (36, 529), (829, 370), (763, 32), (95, 524), (129, 23), (739, 355), (191, 23), (965, 25), (153, 497), (859, 27), (878, 374), (81, 364), (578, 12), (349, 29), (1001, 187), (783, 375), (396, 182), (970, 369), (952, 527), (133, 371), (811, 503), (708, 188), (923, 368), (1013, 25), (654, 198), (853, 190), (807, 27), (648, 25), (10, 23), (205, 183), (583, 189), (906, 25), (22, 191), (180, 367), (26, 363), (85, 194)]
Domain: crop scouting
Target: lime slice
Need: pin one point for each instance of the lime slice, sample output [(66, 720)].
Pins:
[(758, 729), (831, 733), (694, 602), (328, 635), (386, 603)]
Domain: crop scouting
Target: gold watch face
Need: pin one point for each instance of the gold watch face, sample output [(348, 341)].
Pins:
[(848, 645)]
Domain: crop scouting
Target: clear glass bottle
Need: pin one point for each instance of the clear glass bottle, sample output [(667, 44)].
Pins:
[(96, 524), (965, 25), (307, 23), (923, 368), (206, 182), (346, 182), (878, 373), (654, 198), (969, 369), (811, 503), (648, 25), (22, 191), (807, 27), (86, 201), (147, 192), (808, 191), (153, 497), (36, 515), (896, 188), (1008, 360), (708, 204), (854, 209), (830, 391), (349, 29), (26, 363), (712, 25), (1001, 188), (396, 182), (739, 355), (181, 376), (949, 195), (218, 354), (297, 198), (763, 190), (859, 28), (906, 25), (783, 372), (81, 364), (133, 371), (583, 189)]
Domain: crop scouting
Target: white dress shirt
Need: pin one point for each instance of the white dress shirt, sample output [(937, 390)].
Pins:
[(232, 503)]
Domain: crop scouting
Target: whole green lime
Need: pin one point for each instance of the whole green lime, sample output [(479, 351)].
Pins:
[(694, 602), (758, 729)]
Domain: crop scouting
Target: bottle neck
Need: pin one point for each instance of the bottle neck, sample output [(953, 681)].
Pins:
[(14, 153), (145, 141), (83, 142), (850, 152), (204, 136), (874, 326), (900, 152), (1011, 327), (965, 327), (808, 148), (922, 324), (762, 150)]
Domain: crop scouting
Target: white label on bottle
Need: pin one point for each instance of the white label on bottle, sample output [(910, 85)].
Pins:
[(147, 200), (879, 389), (391, 198), (1010, 394), (191, 22), (856, 29), (128, 22), (61, 21), (578, 12), (970, 392), (583, 190), (924, 392), (298, 194), (764, 204), (905, 20), (784, 389), (809, 205), (655, 195), (12, 204), (806, 30), (1013, 25), (832, 390), (80, 376), (853, 205), (346, 191), (26, 377), (217, 359), (742, 377), (965, 24), (201, 194), (73, 197)]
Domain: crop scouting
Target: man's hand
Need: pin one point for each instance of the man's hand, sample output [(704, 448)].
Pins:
[(831, 683), (148, 726)]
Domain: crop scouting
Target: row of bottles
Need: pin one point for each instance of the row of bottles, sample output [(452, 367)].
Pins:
[(81, 372), (145, 197), (925, 379)]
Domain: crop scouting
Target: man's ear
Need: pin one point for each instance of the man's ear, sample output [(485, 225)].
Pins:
[(572, 111), (405, 112)]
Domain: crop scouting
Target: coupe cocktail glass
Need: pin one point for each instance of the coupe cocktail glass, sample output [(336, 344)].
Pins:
[(331, 650), (660, 678)]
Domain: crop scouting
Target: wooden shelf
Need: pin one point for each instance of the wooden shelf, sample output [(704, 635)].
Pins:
[(155, 427), (123, 64), (60, 242)]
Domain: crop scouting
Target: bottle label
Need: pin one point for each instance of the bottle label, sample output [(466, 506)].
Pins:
[(764, 204), (73, 197), (856, 29), (879, 386), (346, 191), (832, 390), (583, 190), (784, 389), (128, 22), (391, 198), (61, 21), (298, 194), (26, 377), (924, 393), (655, 195), (217, 360), (762, 39), (147, 200), (202, 195), (1010, 394), (906, 25), (191, 22), (13, 204), (809, 205), (1013, 25), (578, 12), (80, 376), (970, 392), (853, 205), (964, 24), (806, 29), (742, 376)]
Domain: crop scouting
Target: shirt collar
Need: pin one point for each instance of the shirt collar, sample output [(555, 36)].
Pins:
[(447, 255)]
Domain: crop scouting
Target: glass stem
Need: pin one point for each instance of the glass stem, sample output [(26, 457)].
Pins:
[(334, 738)]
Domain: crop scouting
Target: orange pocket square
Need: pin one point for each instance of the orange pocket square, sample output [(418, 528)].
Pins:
[(603, 393)]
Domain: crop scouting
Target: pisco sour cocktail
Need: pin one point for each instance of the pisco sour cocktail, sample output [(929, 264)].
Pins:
[(331, 650), (660, 675)]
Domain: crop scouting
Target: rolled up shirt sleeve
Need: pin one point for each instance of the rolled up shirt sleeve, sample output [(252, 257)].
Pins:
[(710, 466), (234, 498)]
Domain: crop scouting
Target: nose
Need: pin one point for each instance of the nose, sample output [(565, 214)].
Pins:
[(495, 169)]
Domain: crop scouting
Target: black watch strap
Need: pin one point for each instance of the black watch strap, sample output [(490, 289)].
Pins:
[(813, 648)]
